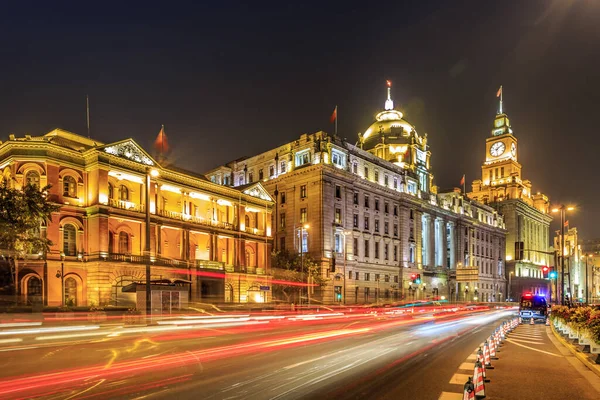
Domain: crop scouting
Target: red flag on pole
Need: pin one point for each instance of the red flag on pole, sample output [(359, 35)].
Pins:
[(161, 144), (499, 93), (566, 223), (333, 115), (462, 180)]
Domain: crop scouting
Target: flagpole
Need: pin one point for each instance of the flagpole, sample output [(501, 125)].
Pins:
[(501, 94), (336, 119), (464, 183), (87, 101)]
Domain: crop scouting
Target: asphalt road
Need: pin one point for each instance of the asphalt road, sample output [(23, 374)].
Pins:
[(346, 357)]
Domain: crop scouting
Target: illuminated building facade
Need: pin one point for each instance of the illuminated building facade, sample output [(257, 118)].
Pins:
[(526, 214), (375, 216), (574, 265), (219, 238), (591, 249)]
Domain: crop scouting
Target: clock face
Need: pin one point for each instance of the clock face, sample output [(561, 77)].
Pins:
[(513, 150), (497, 149)]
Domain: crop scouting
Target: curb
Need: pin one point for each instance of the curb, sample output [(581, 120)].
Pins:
[(591, 366)]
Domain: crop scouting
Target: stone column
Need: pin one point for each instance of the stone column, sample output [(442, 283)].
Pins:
[(452, 228), (431, 238)]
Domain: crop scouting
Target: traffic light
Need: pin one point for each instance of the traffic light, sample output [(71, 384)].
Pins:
[(545, 271), (418, 279), (332, 264), (553, 273), (338, 293), (413, 278)]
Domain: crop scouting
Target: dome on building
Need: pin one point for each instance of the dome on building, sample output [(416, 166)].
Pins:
[(389, 127)]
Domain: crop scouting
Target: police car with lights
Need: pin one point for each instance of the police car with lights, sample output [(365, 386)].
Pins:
[(533, 306)]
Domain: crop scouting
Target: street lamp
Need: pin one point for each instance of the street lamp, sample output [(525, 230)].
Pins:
[(346, 234), (149, 173), (302, 229), (61, 274), (563, 210)]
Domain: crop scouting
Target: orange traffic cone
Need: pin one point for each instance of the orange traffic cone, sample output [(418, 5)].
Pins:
[(492, 348), (520, 320), (547, 321), (469, 390), (478, 380), (486, 355), (531, 321), (481, 361)]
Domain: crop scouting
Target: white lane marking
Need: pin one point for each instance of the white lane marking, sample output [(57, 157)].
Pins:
[(534, 349), (451, 396), (527, 341), (15, 340), (19, 348), (459, 379), (17, 324), (467, 366)]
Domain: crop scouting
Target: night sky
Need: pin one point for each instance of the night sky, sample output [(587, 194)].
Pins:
[(229, 80)]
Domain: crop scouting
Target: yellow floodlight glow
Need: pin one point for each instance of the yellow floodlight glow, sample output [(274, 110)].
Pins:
[(570, 208), (169, 188), (306, 226), (555, 210), (154, 173), (200, 196)]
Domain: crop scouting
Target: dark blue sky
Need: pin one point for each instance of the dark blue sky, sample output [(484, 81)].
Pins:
[(229, 79)]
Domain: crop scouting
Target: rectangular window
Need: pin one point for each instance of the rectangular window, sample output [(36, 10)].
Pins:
[(396, 230), (396, 211), (356, 275), (338, 192), (395, 183), (283, 166), (338, 243), (377, 277), (303, 216), (366, 222), (377, 176), (386, 252), (376, 204), (386, 278), (303, 191), (366, 201), (377, 225), (302, 158), (395, 278), (366, 172), (355, 220), (338, 216), (386, 207), (386, 180), (501, 172), (395, 253), (386, 229), (366, 248), (282, 220), (260, 174), (304, 241), (355, 251), (282, 197), (250, 177), (377, 250), (367, 276), (271, 171), (355, 168), (355, 198), (350, 275)]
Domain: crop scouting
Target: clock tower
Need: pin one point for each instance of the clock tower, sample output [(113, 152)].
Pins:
[(525, 213)]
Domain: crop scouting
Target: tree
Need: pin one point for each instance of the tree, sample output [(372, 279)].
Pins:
[(288, 268), (22, 213)]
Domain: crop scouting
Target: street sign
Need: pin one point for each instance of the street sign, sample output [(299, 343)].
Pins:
[(265, 288)]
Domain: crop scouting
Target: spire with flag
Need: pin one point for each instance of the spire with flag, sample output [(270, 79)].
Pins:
[(499, 94), (389, 103), (161, 144), (462, 183)]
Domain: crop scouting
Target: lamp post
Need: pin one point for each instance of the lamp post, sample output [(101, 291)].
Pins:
[(587, 299), (149, 173), (563, 210), (302, 228), (61, 274), (346, 234), (509, 284)]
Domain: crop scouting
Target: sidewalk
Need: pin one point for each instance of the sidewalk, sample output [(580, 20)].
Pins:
[(533, 364)]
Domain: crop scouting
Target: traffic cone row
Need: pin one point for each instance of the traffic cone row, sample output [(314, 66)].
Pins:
[(475, 387)]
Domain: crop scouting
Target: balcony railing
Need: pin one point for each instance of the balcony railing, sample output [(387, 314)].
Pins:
[(195, 220), (171, 262), (126, 205), (254, 231)]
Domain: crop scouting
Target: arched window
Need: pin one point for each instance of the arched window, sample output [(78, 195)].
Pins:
[(250, 258), (247, 221), (69, 186), (69, 240), (32, 178), (111, 191), (124, 193), (70, 292), (34, 286), (123, 243)]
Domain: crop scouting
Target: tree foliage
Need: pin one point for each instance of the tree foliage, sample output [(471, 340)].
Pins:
[(22, 212), (294, 268)]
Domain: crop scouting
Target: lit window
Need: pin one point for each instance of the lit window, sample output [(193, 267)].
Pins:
[(69, 240), (283, 167), (271, 171), (123, 243), (69, 186), (338, 216), (32, 178), (303, 216), (303, 191), (282, 198), (111, 191), (124, 193), (338, 243)]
